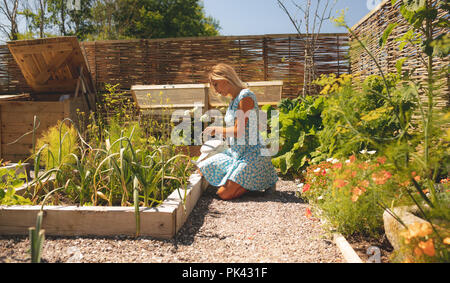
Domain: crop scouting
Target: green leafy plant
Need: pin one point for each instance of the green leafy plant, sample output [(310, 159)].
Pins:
[(357, 117), (9, 182), (298, 126)]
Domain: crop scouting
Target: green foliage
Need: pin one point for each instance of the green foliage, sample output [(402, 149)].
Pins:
[(10, 181), (152, 19), (56, 145), (332, 84), (299, 123), (120, 19), (352, 114)]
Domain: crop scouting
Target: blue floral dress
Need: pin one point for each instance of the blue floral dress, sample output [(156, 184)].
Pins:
[(242, 162)]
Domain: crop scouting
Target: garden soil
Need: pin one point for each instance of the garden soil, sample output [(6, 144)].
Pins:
[(259, 227)]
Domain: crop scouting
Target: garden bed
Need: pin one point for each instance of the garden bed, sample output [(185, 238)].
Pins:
[(163, 221), (361, 245)]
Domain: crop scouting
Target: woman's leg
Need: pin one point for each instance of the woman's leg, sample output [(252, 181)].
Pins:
[(231, 190)]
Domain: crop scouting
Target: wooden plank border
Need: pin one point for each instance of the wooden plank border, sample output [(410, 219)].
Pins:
[(162, 222)]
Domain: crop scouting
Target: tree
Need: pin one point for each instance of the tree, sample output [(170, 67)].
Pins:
[(59, 15), (81, 20), (310, 21), (153, 19), (10, 10), (37, 16)]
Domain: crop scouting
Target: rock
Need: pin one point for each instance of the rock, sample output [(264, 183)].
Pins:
[(393, 228)]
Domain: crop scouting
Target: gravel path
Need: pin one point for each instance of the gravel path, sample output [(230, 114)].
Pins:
[(269, 227)]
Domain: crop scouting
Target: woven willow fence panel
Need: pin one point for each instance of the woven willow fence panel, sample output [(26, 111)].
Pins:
[(370, 29), (187, 60)]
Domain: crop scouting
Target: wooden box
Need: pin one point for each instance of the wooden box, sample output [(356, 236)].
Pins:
[(56, 70)]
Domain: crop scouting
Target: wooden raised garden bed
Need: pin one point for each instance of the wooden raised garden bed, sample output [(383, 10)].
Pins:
[(162, 222), (57, 72)]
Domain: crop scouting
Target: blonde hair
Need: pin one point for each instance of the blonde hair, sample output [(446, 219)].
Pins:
[(226, 72)]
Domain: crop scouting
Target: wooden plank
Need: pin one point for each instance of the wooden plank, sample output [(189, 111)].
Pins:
[(33, 49), (193, 192), (57, 61), (1, 133), (85, 221), (17, 107), (163, 221)]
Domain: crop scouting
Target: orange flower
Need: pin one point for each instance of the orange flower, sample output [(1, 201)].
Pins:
[(352, 158), (306, 188), (381, 159), (357, 192), (420, 229), (363, 165), (337, 165), (447, 241), (405, 184), (381, 177), (308, 213), (418, 252), (340, 183), (428, 247), (364, 183)]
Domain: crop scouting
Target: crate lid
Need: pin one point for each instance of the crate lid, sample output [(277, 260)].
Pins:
[(51, 65)]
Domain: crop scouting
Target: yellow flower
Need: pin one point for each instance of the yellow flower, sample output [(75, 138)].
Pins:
[(428, 247)]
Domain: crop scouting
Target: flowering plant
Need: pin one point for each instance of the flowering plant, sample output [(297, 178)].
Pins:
[(349, 193), (422, 244)]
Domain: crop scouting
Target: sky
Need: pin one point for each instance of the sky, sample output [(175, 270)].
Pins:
[(257, 17)]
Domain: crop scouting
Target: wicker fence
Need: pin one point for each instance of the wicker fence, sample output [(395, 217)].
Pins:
[(187, 60), (370, 29)]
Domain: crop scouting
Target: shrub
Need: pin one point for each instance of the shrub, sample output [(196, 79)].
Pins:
[(299, 122), (348, 194), (355, 116)]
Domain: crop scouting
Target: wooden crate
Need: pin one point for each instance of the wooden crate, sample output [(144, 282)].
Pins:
[(56, 70), (162, 222)]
